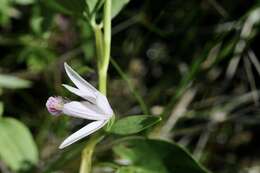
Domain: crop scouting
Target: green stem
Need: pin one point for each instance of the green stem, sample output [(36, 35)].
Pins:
[(107, 46), (86, 160), (102, 67), (103, 46), (102, 80), (99, 44)]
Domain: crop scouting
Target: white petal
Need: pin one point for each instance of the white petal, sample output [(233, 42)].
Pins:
[(84, 110), (78, 80), (83, 132), (90, 96), (103, 104)]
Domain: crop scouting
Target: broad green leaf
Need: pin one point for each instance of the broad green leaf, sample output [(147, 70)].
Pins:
[(133, 124), (91, 4), (12, 82), (140, 156), (157, 156), (117, 6), (17, 147), (69, 7)]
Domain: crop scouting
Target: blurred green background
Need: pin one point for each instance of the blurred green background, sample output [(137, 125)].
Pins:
[(193, 62)]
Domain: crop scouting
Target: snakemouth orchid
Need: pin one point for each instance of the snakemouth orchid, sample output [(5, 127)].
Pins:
[(94, 107)]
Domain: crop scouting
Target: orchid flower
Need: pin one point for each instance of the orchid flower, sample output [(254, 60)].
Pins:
[(94, 107)]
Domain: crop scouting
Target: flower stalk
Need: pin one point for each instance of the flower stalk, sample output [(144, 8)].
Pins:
[(107, 46), (103, 47), (86, 162)]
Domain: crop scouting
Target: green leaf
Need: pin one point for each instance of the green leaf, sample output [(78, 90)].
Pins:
[(17, 147), (5, 12), (117, 6), (12, 82), (91, 4), (157, 156), (69, 7), (133, 124), (140, 156)]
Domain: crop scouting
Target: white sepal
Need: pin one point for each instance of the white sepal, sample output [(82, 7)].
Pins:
[(84, 110), (78, 80), (103, 104), (83, 132), (90, 96)]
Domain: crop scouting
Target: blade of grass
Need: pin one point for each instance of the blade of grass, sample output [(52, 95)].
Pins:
[(130, 86), (251, 79)]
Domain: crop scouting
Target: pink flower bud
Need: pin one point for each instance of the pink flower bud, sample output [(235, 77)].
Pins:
[(55, 105)]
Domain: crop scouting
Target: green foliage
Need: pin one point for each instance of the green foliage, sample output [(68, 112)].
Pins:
[(133, 124), (17, 147), (7, 9), (78, 7), (153, 156), (161, 50), (117, 6), (75, 8), (92, 4), (12, 82)]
